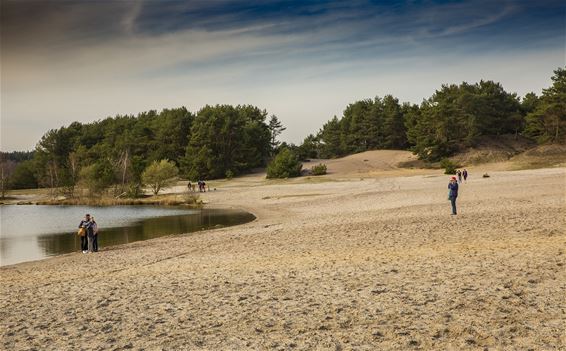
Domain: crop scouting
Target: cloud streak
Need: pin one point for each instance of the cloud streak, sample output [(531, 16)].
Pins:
[(85, 60)]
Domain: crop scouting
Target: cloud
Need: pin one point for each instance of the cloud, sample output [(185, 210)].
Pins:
[(65, 61), (131, 16)]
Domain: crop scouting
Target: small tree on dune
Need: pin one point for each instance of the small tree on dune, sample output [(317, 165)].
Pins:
[(284, 165), (159, 174), (276, 128)]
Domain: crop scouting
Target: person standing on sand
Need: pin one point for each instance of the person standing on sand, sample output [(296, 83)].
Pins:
[(86, 224), (190, 186), (90, 236), (453, 193), (465, 174), (95, 239), (459, 173)]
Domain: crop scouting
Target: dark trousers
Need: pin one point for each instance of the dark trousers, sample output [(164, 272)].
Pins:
[(95, 243), (84, 243), (453, 203)]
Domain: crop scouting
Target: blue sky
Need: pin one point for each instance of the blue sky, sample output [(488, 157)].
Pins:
[(65, 61)]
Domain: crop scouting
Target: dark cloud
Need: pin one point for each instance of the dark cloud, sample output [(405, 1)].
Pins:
[(87, 59), (59, 23)]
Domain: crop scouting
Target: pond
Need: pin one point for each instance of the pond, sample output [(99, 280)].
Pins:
[(29, 232)]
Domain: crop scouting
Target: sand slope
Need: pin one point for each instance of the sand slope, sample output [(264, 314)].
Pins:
[(365, 163), (373, 264)]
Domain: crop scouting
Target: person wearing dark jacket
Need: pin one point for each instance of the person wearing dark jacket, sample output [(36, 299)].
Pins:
[(87, 224), (95, 232), (453, 193)]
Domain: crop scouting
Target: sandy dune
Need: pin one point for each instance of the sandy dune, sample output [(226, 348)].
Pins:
[(372, 264), (365, 163)]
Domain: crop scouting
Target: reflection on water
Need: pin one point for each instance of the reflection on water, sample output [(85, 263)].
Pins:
[(35, 232)]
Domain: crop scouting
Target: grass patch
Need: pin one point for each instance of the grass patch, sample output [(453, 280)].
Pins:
[(160, 200), (39, 191), (535, 163), (418, 164), (8, 198)]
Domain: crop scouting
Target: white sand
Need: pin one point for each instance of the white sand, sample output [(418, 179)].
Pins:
[(372, 264)]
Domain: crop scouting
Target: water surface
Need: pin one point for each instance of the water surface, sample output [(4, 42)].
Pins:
[(30, 232)]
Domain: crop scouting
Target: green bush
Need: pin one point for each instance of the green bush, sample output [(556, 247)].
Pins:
[(23, 176), (319, 169), (449, 166), (285, 165), (97, 177), (160, 174)]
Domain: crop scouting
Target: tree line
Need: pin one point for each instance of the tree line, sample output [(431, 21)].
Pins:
[(215, 142), (224, 141), (452, 119)]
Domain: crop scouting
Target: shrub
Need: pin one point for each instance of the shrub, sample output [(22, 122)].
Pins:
[(229, 174), (284, 165), (449, 166), (159, 174), (319, 169), (23, 176), (97, 177), (134, 190)]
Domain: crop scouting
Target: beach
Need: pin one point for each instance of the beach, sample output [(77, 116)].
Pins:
[(356, 262)]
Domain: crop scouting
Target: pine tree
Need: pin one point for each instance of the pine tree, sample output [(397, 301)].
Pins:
[(276, 128), (547, 123)]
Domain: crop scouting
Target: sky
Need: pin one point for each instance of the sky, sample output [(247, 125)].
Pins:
[(304, 61)]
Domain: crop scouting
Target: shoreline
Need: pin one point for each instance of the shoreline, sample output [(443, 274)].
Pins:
[(111, 231), (365, 263)]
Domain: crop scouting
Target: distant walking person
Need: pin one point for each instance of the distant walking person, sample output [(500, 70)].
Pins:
[(453, 194), (465, 174), (85, 226), (459, 173)]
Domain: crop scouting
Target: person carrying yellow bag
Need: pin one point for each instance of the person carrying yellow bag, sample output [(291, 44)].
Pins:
[(85, 230)]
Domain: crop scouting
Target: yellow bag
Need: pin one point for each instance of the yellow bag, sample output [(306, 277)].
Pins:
[(81, 232)]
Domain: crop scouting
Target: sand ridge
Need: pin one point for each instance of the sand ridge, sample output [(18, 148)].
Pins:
[(361, 264), (365, 162)]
